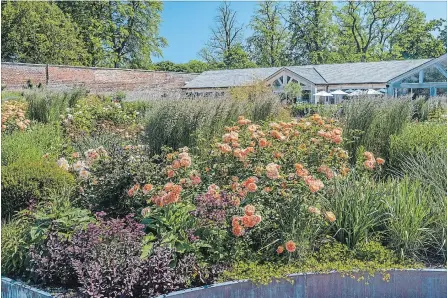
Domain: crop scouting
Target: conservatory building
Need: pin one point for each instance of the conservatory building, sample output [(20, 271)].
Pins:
[(394, 78)]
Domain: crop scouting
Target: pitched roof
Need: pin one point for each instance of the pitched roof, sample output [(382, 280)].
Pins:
[(366, 72), (346, 73), (230, 77)]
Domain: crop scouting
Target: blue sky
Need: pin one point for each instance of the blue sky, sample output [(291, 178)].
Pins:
[(186, 24)]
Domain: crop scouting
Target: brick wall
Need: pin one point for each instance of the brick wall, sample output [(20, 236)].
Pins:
[(98, 80)]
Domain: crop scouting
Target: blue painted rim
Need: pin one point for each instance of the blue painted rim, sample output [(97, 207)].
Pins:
[(46, 294), (290, 275)]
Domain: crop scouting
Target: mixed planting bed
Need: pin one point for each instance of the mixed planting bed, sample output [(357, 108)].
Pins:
[(104, 197)]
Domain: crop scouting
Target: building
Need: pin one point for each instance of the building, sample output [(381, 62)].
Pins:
[(418, 77)]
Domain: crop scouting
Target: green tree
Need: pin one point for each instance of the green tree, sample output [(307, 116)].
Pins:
[(381, 30), (236, 57), (167, 66), (196, 66), (312, 30), (119, 33), (93, 23), (267, 46), (39, 32), (226, 34), (292, 91), (443, 35)]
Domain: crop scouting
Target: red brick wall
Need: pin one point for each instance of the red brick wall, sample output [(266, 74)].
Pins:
[(15, 76)]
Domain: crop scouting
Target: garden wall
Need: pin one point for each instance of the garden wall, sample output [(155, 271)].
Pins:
[(99, 80)]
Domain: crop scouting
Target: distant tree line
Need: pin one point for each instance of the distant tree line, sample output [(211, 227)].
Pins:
[(126, 34)]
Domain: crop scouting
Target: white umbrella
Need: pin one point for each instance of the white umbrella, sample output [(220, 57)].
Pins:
[(356, 93), (338, 92), (373, 92), (323, 93), (349, 91), (383, 90)]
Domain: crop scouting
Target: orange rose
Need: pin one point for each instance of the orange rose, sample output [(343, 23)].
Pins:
[(147, 188), (380, 161), (290, 246), (280, 250), (330, 216), (170, 173), (252, 187), (314, 210), (238, 231), (249, 210)]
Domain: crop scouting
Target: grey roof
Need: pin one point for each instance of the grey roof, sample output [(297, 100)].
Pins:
[(366, 72), (346, 73), (230, 77), (308, 72)]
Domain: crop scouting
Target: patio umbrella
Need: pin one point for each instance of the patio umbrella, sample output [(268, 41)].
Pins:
[(383, 90), (373, 92), (323, 93), (338, 92), (338, 95), (349, 91), (356, 93)]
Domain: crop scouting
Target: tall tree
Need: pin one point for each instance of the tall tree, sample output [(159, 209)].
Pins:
[(226, 35), (93, 23), (312, 31), (236, 57), (267, 46), (39, 32), (377, 30), (119, 33), (443, 35)]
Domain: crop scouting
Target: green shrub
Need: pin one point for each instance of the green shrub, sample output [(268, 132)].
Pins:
[(433, 109), (179, 123), (46, 106), (358, 203), (32, 226), (432, 172), (15, 238), (425, 137), (306, 109), (95, 114), (32, 144), (24, 181), (330, 257), (410, 221), (371, 122)]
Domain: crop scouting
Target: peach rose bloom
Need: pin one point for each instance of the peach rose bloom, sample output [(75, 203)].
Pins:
[(290, 246), (238, 231), (368, 155), (263, 142), (252, 187), (380, 161), (314, 210), (280, 250), (249, 210), (147, 188), (330, 216), (369, 164)]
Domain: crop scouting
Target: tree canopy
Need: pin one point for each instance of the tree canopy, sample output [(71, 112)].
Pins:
[(39, 32), (126, 34)]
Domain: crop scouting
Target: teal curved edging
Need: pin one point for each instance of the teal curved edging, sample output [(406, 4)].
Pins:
[(425, 283), (428, 283), (16, 289)]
